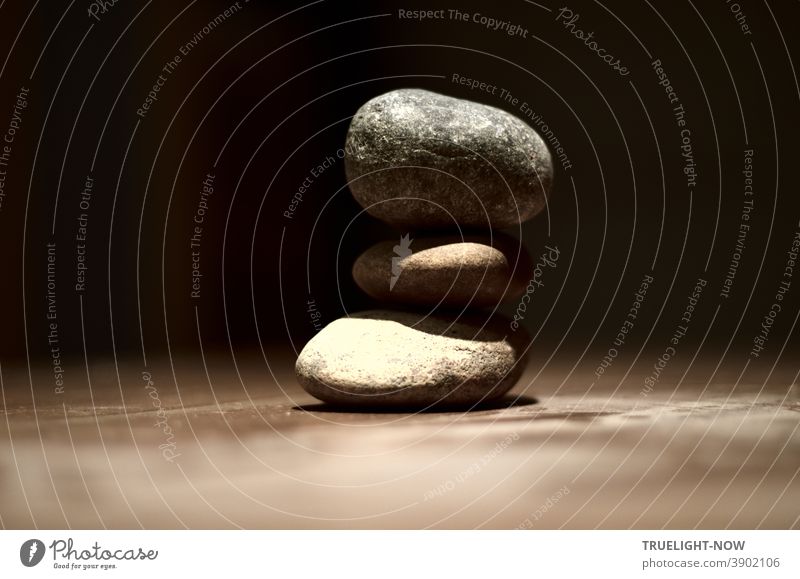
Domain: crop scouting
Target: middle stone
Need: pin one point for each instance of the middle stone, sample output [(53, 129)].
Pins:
[(450, 271)]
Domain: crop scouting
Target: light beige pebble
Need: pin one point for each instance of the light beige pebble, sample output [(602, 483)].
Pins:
[(383, 358)]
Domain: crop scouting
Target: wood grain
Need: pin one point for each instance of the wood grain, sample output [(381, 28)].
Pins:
[(255, 451)]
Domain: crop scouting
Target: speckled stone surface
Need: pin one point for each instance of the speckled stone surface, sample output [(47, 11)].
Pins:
[(416, 158), (449, 271), (383, 358)]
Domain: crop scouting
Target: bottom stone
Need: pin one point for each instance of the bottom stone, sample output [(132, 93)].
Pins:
[(383, 358)]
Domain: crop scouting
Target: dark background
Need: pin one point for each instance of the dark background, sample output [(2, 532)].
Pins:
[(270, 92)]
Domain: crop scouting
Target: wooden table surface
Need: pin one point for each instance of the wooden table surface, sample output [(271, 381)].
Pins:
[(255, 451)]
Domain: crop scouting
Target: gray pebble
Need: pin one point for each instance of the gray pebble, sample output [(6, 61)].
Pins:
[(419, 159)]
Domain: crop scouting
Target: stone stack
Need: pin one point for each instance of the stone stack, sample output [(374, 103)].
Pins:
[(446, 173)]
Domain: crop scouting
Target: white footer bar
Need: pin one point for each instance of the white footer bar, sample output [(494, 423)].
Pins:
[(402, 554)]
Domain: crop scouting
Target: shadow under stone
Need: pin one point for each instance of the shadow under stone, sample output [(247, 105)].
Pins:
[(507, 401)]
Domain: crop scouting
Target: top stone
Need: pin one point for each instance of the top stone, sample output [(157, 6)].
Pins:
[(418, 159)]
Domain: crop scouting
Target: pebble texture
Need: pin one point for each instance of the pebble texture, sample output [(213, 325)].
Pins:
[(476, 271), (416, 158), (384, 358)]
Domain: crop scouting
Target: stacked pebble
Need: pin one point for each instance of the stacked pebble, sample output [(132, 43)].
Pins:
[(421, 161)]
